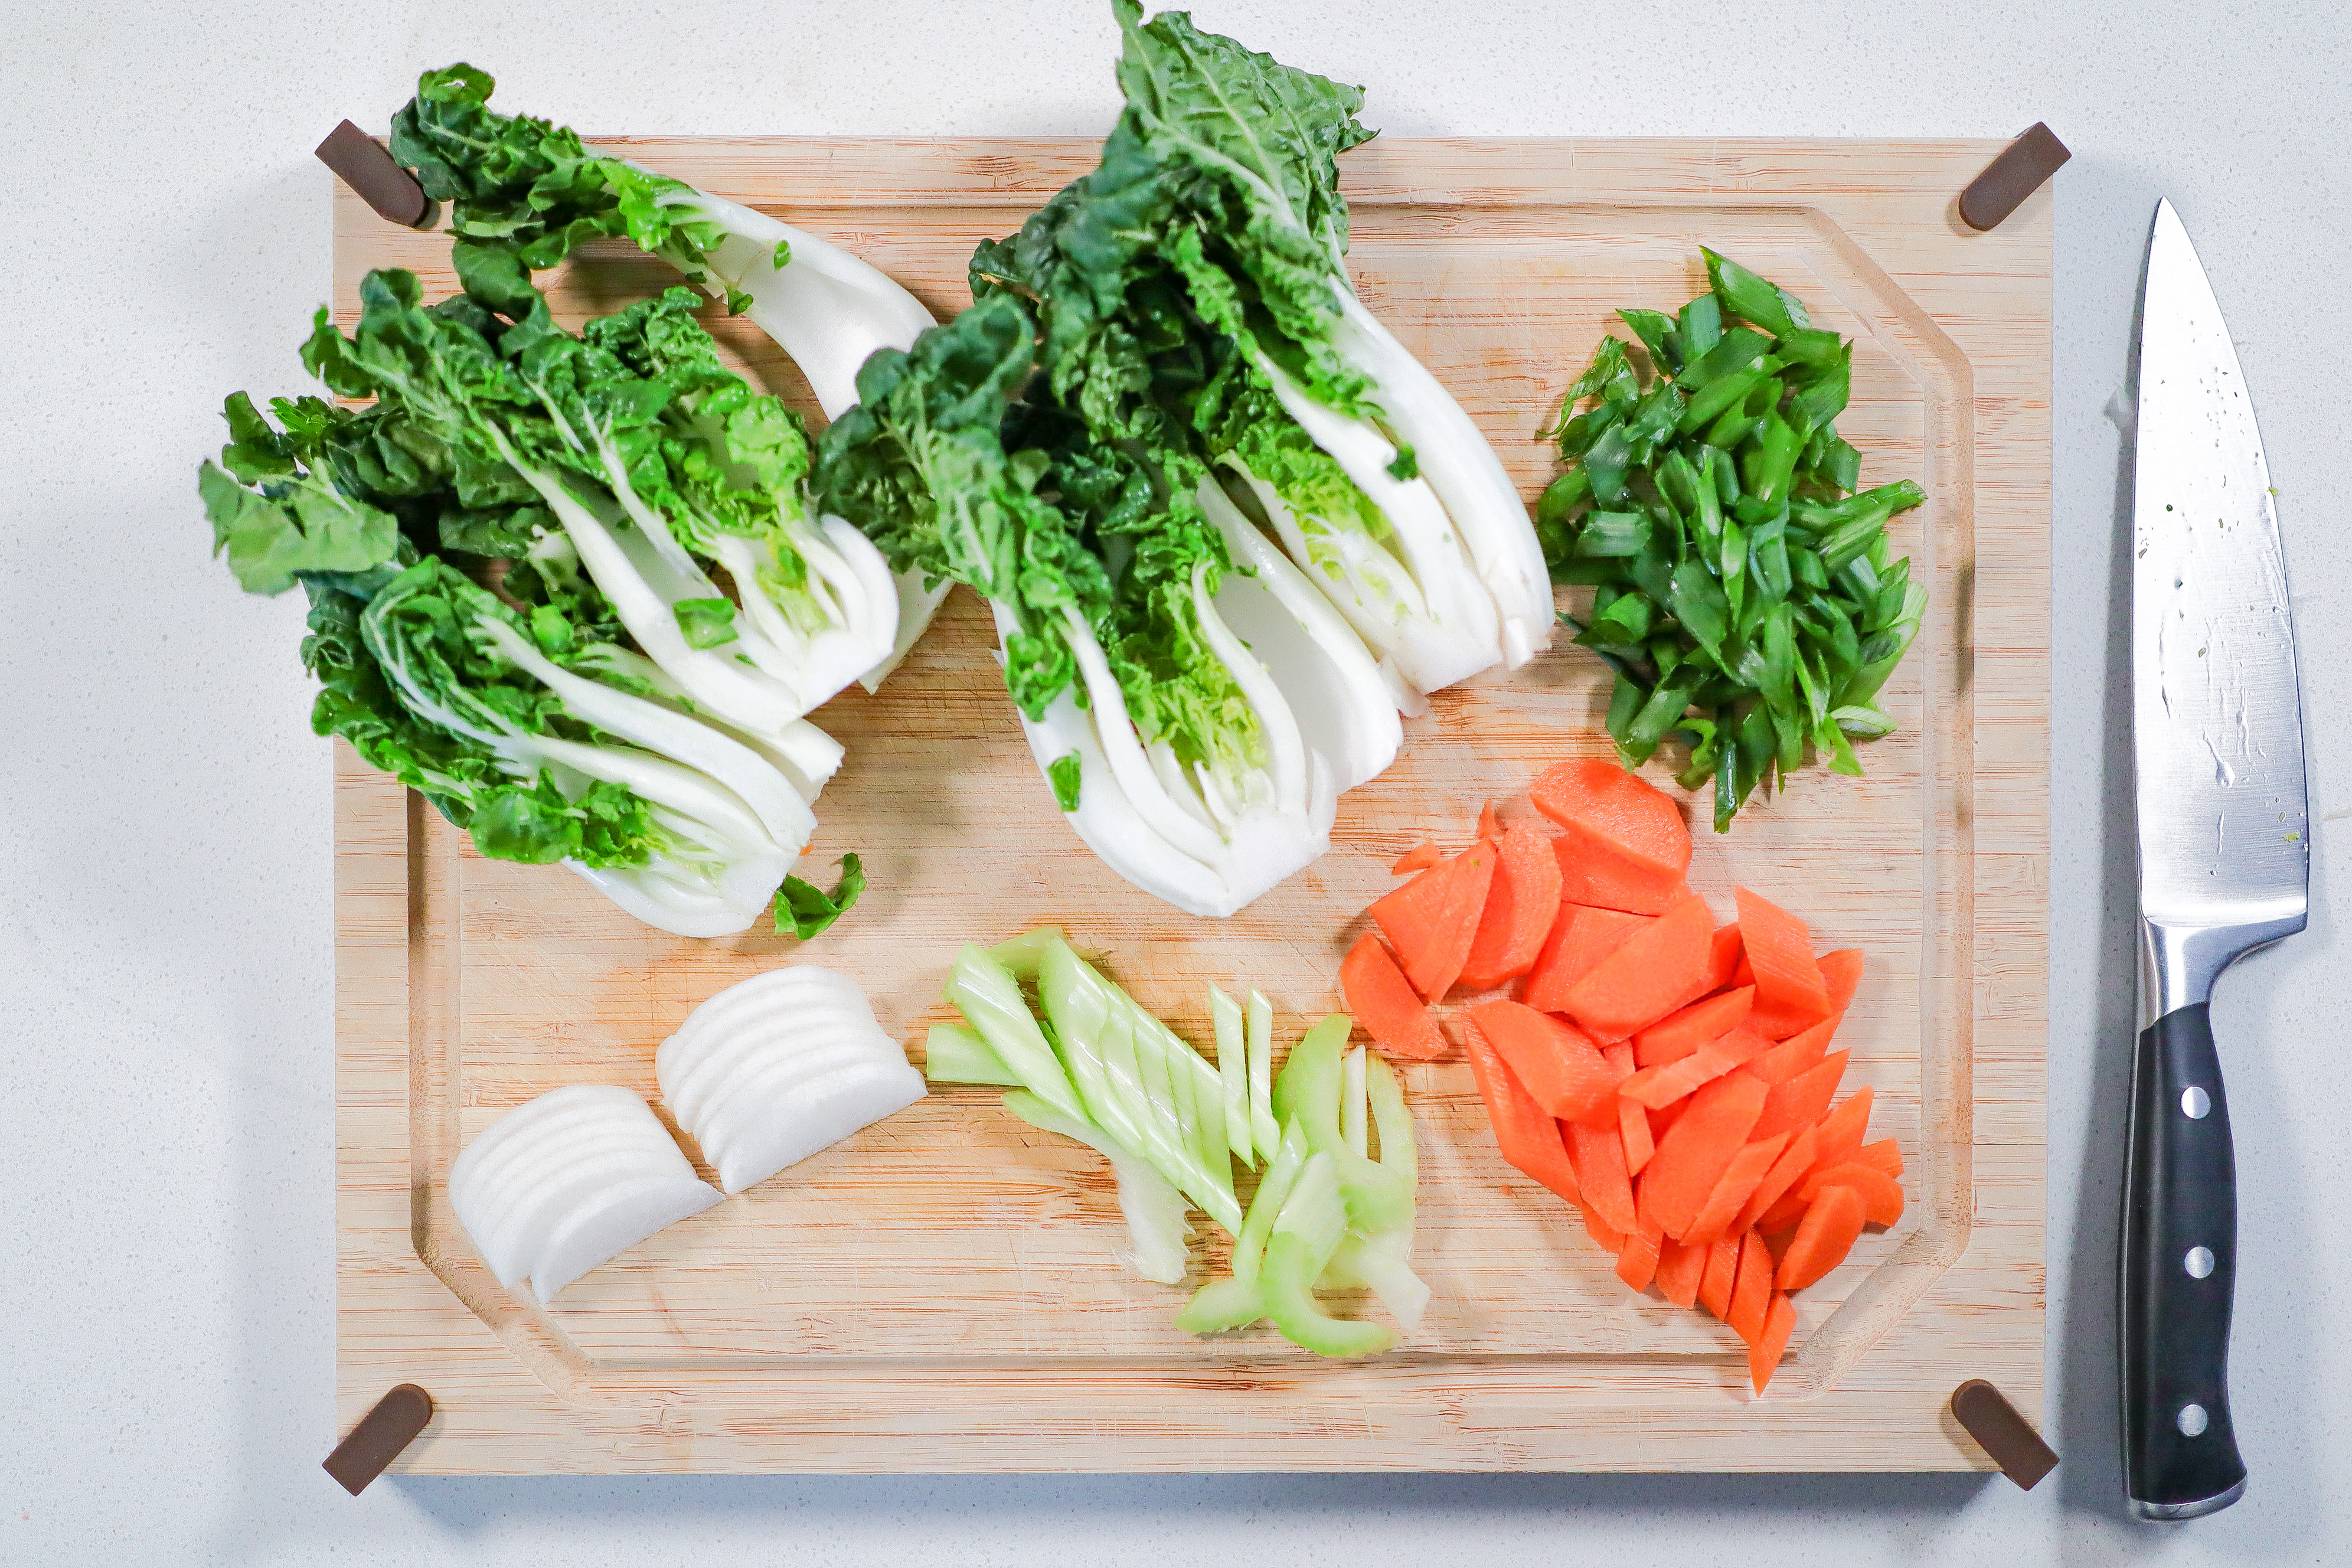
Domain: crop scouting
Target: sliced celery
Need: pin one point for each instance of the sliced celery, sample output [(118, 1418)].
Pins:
[(1394, 1123), (1351, 1102), (1309, 1089), (1157, 1214), (1022, 955), (1233, 1302), (1380, 1264), (953, 1053), (1313, 1222), (990, 1001), (1264, 1131), (1233, 1069)]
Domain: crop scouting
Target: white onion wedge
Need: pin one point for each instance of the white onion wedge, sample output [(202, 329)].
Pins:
[(771, 1070), (614, 1222)]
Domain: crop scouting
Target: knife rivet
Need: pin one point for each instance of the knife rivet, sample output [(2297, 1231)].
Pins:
[(2199, 1262), (2194, 1103), (2191, 1421)]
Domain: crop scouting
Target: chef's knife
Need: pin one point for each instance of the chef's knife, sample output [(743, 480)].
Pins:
[(2217, 747)]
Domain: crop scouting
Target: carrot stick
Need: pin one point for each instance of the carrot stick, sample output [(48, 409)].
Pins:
[(1881, 1194), (1487, 827), (1677, 1036), (1420, 857), (1435, 969), (1579, 938), (1751, 1292), (1634, 1128), (1599, 1155), (1830, 1224), (1842, 1129), (1680, 1269), (1695, 1152), (1521, 903), (1781, 951), (1594, 876), (1645, 978), (1384, 1003), (1564, 1071), (1637, 1260), (1722, 1270), (1804, 1099), (1795, 1054), (1735, 1187), (1607, 1240), (1764, 1355), (1530, 1141), (1842, 976), (1725, 957), (1883, 1154), (1786, 1173)]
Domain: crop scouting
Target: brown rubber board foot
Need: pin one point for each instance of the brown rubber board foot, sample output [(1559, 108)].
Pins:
[(380, 1437), (363, 163), (2002, 1433), (2009, 179)]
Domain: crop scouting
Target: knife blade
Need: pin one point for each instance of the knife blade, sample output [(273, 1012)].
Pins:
[(2225, 861)]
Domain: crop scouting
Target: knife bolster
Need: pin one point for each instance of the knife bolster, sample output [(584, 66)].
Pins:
[(2178, 962)]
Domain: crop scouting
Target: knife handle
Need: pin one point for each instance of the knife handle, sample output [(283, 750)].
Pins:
[(2180, 1262)]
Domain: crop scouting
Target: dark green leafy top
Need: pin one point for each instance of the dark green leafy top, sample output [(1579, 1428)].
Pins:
[(1745, 599)]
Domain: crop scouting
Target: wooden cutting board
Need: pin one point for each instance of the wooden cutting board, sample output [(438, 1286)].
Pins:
[(937, 1292)]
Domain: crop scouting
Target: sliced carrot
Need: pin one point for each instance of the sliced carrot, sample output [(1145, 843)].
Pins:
[(1883, 1154), (1841, 975), (1764, 1355), (1521, 903), (1590, 875), (1795, 1054), (1780, 950), (1658, 1087), (1881, 1194), (1831, 1222), (1564, 1071), (1579, 938), (1680, 1269), (1732, 1189), (1602, 804), (1842, 1130), (1786, 1173), (1637, 1260), (1692, 1157), (1633, 1129), (1804, 1099), (1433, 919), (1530, 1141), (1420, 857), (1722, 1270), (1725, 959), (1645, 978), (1382, 1001), (1676, 1037), (1606, 1239), (1751, 1292), (1600, 1154), (1413, 917)]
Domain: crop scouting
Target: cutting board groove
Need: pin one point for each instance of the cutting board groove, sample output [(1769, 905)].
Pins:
[(937, 1293)]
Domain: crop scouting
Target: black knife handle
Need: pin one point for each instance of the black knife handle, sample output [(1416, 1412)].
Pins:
[(2180, 1262)]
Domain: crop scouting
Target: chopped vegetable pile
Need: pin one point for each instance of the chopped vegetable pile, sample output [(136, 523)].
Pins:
[(1672, 1081), (1744, 598), (1333, 1205)]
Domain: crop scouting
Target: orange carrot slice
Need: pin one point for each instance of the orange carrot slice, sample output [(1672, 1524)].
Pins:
[(1786, 1173), (1562, 1068), (1693, 1153), (1599, 1155), (1831, 1222), (1780, 950), (1594, 876), (1658, 1087), (1751, 1293), (1795, 1054), (1606, 1239), (1804, 1099), (1842, 1129), (1377, 993), (1530, 1141), (1841, 975), (1677, 1036), (1521, 903), (1722, 1270), (1739, 1179), (1413, 917), (1603, 806), (1579, 938), (1764, 1355), (1647, 977), (1724, 961), (1881, 1194), (1680, 1269), (1637, 1260), (1883, 1154), (1420, 857), (1433, 919), (1487, 827), (1633, 1129)]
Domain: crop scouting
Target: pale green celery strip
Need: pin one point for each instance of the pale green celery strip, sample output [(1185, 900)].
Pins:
[(1264, 1132), (991, 1003), (1273, 1189), (1233, 1068), (953, 1053), (1352, 1103), (1079, 1012), (1398, 1151), (1022, 954)]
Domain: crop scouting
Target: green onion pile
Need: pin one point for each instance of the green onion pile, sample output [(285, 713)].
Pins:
[(1743, 592)]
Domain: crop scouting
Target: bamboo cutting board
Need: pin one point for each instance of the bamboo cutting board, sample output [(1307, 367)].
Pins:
[(937, 1292)]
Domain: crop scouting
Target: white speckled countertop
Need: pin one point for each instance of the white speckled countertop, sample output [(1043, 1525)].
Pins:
[(166, 1192)]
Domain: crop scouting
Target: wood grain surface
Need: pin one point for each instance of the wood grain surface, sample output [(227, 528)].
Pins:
[(937, 1293)]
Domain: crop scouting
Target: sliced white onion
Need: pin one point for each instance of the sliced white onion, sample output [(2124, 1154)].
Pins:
[(614, 1222), (771, 1070)]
